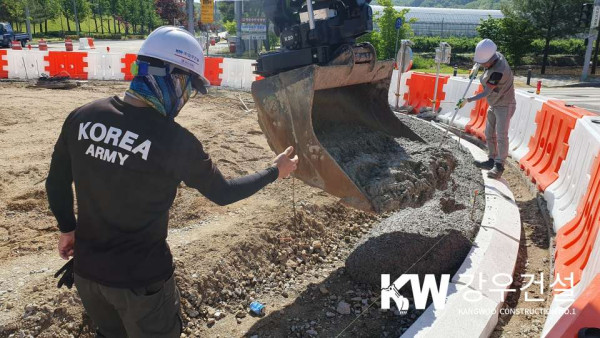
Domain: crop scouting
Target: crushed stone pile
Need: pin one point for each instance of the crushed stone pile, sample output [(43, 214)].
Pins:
[(432, 238), (393, 173)]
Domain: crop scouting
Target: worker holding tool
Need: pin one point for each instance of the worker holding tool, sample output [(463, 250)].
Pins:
[(498, 88), (127, 157)]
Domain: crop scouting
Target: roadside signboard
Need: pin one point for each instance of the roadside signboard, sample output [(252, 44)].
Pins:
[(254, 28), (596, 17), (207, 11), (398, 23)]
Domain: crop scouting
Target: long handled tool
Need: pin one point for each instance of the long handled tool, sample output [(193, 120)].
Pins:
[(472, 76)]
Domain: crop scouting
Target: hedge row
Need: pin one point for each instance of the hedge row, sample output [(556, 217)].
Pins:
[(73, 36), (426, 44)]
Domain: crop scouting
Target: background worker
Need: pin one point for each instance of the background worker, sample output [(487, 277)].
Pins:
[(498, 88), (127, 158)]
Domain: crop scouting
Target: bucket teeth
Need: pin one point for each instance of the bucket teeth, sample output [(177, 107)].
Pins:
[(293, 103)]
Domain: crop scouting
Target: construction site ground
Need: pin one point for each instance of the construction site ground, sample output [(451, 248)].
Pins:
[(213, 245)]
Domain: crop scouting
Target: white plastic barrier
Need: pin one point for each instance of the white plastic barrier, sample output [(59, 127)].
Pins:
[(565, 194), (86, 44), (454, 89), (104, 66), (522, 124), (403, 88), (237, 73), (25, 64)]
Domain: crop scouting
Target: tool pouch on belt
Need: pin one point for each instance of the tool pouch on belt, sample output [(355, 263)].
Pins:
[(67, 277)]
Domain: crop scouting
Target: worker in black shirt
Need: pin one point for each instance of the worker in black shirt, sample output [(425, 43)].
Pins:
[(127, 157)]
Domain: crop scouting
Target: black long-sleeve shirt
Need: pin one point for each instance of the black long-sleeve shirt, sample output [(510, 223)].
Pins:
[(126, 163)]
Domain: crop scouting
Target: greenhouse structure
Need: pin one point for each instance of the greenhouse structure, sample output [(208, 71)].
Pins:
[(444, 22)]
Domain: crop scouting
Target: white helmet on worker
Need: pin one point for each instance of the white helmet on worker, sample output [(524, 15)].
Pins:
[(178, 47), (485, 51)]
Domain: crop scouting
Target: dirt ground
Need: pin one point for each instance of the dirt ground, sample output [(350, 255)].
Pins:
[(225, 256)]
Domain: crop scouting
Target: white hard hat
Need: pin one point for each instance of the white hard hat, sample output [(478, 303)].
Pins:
[(484, 51), (177, 46)]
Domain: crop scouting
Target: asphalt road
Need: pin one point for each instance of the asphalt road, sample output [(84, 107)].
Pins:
[(584, 97)]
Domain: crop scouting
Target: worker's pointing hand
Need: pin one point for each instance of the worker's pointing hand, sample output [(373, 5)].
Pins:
[(285, 163)]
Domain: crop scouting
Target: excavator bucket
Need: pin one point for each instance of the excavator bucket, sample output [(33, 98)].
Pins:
[(292, 105)]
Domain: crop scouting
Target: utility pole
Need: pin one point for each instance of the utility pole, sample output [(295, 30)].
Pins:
[(591, 37), (190, 12), (595, 61), (76, 16), (239, 46), (27, 21)]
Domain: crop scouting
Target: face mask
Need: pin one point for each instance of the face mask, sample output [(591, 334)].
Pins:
[(167, 94)]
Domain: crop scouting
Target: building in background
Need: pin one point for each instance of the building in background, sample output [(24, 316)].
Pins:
[(445, 21)]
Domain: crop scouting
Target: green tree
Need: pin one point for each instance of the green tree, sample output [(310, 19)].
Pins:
[(11, 11), (227, 10), (169, 10), (551, 19), (41, 11), (384, 39), (67, 9), (513, 36)]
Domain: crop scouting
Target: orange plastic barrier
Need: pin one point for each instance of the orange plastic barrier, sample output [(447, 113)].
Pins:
[(127, 61), (420, 90), (575, 240), (70, 62), (549, 145), (585, 312), (478, 117), (212, 69), (3, 62)]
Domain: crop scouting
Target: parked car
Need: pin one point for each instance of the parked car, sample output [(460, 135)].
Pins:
[(7, 35)]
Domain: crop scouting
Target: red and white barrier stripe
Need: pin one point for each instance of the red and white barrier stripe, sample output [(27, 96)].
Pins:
[(19, 64)]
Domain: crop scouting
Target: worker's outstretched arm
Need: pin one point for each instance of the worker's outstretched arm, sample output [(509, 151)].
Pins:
[(200, 173), (491, 84), (58, 185), (486, 91)]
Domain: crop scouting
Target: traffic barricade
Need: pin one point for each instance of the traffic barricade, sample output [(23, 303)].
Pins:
[(575, 240), (104, 66), (522, 124), (126, 62), (16, 45), (476, 125), (68, 45), (565, 194), (42, 45), (583, 313), (213, 70), (86, 44), (420, 90), (3, 64), (454, 90), (71, 62), (548, 147), (403, 88), (25, 64)]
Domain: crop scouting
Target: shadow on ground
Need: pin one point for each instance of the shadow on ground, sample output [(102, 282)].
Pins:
[(314, 310)]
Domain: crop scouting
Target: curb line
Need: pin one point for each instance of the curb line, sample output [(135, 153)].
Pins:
[(472, 291)]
